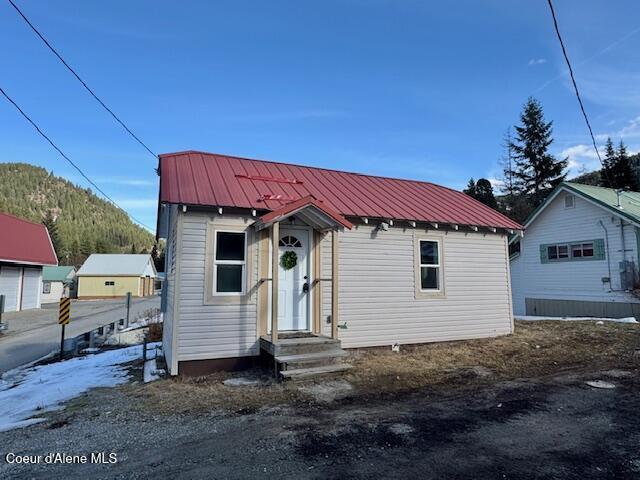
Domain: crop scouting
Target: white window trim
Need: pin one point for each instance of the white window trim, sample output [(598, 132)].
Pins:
[(217, 262), (431, 292)]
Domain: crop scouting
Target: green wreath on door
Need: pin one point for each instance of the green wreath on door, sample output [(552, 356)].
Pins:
[(289, 260)]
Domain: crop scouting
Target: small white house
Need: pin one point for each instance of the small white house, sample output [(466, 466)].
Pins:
[(579, 255), (262, 256), (25, 247), (58, 282)]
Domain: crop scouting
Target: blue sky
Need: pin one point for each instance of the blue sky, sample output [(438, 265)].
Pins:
[(403, 88)]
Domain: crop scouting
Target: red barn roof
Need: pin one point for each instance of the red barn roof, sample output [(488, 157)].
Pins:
[(25, 242), (198, 178)]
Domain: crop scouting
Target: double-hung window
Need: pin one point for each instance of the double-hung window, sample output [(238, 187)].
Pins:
[(582, 250), (430, 266), (558, 252), (230, 263)]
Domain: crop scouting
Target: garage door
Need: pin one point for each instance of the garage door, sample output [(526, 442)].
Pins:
[(31, 288), (10, 279)]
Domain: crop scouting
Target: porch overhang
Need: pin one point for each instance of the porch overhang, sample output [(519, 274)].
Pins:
[(311, 211)]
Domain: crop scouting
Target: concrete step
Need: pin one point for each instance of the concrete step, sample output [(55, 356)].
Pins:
[(324, 357), (300, 373)]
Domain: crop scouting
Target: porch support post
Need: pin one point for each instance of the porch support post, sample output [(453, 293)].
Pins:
[(334, 284), (275, 258)]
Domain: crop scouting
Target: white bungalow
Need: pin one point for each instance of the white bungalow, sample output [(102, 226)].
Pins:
[(296, 262)]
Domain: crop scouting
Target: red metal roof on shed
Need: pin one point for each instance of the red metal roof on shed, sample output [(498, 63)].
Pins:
[(25, 242), (198, 178)]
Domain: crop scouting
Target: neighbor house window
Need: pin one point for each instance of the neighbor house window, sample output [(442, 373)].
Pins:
[(109, 283), (572, 251), (557, 252), (46, 287), (430, 267), (229, 271), (582, 250)]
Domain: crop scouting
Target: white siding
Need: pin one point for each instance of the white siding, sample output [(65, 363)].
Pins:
[(212, 331), (10, 284), (377, 288), (57, 289), (571, 280), (32, 285), (169, 292)]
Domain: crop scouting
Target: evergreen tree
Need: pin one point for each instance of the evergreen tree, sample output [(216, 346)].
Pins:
[(471, 188), (625, 176), (133, 248), (50, 222), (484, 193), (536, 172), (617, 169), (607, 179)]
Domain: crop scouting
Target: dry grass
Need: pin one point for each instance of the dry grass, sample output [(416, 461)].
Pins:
[(535, 349)]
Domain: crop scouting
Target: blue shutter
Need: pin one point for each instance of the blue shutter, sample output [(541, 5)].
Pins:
[(598, 249), (544, 258)]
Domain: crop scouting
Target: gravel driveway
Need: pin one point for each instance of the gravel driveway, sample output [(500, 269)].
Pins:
[(556, 427)]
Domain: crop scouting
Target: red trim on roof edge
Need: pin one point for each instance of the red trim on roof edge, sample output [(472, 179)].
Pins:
[(303, 203)]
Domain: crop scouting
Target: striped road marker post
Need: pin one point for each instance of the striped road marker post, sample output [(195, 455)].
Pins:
[(64, 317)]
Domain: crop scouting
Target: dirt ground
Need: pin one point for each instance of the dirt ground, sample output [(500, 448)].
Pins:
[(536, 349), (512, 407)]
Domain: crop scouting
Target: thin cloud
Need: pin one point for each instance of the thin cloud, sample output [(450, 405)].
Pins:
[(138, 203), (537, 61), (131, 182)]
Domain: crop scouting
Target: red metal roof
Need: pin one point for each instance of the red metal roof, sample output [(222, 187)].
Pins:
[(25, 242), (198, 178)]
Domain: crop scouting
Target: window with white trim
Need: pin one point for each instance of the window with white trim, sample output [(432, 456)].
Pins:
[(230, 263), (46, 287), (430, 266)]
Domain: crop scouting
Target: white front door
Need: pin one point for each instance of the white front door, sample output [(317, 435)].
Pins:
[(293, 280)]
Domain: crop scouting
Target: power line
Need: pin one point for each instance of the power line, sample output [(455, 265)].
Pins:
[(575, 87), (55, 52), (74, 165)]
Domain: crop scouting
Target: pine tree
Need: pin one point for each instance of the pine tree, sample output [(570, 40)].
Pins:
[(50, 222), (617, 169), (484, 193), (536, 172), (133, 248), (607, 179), (624, 173), (471, 188)]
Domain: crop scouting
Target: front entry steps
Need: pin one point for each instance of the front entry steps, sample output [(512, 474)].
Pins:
[(305, 356)]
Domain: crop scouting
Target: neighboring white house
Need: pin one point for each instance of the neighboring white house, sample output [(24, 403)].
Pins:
[(25, 247), (579, 255), (58, 282), (369, 261)]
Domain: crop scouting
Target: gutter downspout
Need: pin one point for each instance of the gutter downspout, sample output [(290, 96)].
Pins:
[(606, 246)]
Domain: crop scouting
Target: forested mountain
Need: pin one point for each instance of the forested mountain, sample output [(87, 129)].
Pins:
[(85, 223)]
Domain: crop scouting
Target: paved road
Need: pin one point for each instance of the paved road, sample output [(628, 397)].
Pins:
[(34, 333)]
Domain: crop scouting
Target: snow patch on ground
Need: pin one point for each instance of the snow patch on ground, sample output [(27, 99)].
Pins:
[(27, 391), (532, 318), (143, 322)]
